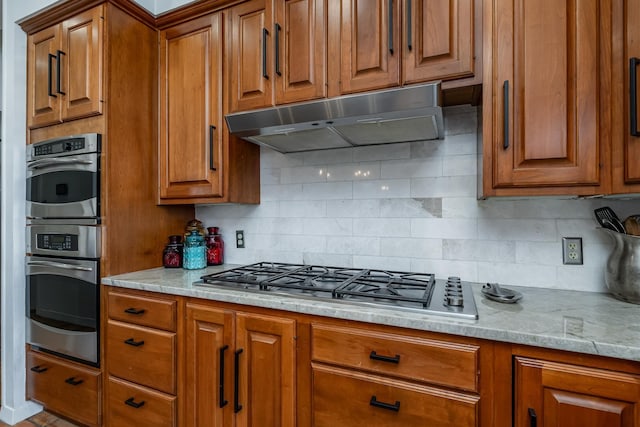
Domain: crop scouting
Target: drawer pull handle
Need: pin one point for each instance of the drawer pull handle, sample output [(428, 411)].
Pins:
[(39, 369), (391, 407), (136, 311), (237, 407), (223, 402), (133, 403), (376, 356), (134, 343), (533, 417), (633, 93), (73, 381)]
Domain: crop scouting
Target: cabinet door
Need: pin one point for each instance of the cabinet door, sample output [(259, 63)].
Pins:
[(191, 162), (251, 70), (81, 64), (300, 50), (42, 98), (548, 63), (549, 394), (631, 148), (369, 45), (438, 41), (266, 356), (208, 355)]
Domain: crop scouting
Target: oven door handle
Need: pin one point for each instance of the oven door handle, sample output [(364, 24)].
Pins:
[(59, 265), (45, 163)]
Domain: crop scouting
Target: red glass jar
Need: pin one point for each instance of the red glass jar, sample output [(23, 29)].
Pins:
[(215, 247), (172, 254)]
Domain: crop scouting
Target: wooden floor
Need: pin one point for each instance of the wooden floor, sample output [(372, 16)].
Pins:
[(43, 419)]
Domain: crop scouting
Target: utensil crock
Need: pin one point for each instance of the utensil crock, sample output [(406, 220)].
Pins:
[(622, 271)]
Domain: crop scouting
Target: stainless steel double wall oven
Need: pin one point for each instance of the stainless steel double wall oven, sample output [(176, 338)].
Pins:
[(63, 246)]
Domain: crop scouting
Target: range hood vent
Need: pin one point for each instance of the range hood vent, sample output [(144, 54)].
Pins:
[(411, 113)]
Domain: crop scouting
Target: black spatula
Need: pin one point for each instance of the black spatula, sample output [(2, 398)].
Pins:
[(608, 219)]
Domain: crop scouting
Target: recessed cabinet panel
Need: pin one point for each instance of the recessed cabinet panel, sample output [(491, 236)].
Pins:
[(43, 102), (438, 40)]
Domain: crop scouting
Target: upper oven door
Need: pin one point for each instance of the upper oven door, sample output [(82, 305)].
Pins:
[(63, 178)]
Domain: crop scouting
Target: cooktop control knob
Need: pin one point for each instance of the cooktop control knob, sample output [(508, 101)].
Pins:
[(453, 292)]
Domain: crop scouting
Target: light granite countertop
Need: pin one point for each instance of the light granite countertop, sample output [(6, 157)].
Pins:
[(583, 322)]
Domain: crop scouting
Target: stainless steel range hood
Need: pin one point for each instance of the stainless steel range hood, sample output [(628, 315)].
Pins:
[(411, 113)]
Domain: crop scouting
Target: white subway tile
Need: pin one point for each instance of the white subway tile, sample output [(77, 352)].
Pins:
[(328, 157), (539, 276), (588, 229), (582, 277), (444, 228), (466, 270), (460, 165), (353, 171), (331, 260), (270, 175), (479, 250), (302, 209), (272, 159), (382, 263), (541, 253), (327, 190), (209, 213), (460, 207), (273, 255), (411, 248), (303, 174), (353, 245), (281, 192), (381, 152), (416, 168), (287, 243), (517, 229), (276, 226), (411, 208), (353, 208), (447, 186), (381, 189), (389, 227), (328, 226)]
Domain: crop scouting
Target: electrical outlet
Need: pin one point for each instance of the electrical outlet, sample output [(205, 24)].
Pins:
[(572, 250), (239, 238)]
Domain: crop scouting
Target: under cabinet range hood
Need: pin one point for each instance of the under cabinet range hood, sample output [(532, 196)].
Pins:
[(411, 113)]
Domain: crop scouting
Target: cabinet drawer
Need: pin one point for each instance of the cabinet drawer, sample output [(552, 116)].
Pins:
[(132, 405), (141, 310), (347, 398), (142, 355), (437, 362), (64, 387)]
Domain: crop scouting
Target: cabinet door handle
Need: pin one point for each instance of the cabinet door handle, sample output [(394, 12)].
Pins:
[(131, 402), (505, 114), (265, 33), (58, 72), (212, 163), (222, 402), (73, 381), (277, 37), (390, 29), (135, 311), (236, 382), (633, 100), (39, 369), (50, 73), (390, 406), (533, 418), (134, 343), (376, 356), (409, 26)]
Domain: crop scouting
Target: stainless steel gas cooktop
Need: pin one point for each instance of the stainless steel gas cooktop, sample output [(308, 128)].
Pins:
[(403, 290)]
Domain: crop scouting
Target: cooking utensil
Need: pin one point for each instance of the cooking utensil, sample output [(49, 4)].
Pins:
[(632, 225), (622, 271), (495, 292), (607, 218)]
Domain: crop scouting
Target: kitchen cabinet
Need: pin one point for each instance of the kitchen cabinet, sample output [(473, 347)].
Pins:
[(385, 43), (65, 387), (372, 377), (547, 97), (65, 70), (199, 162), (141, 359), (240, 368), (550, 394), (276, 52), (626, 114)]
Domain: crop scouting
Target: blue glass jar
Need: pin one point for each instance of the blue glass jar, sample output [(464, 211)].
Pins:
[(195, 252)]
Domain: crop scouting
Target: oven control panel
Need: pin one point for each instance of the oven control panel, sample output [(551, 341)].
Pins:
[(65, 146), (58, 242)]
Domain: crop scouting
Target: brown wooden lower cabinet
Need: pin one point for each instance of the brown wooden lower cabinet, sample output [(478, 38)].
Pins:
[(129, 404), (349, 398), (552, 394), (64, 387)]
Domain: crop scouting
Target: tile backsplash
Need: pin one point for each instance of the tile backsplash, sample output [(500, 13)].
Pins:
[(413, 207)]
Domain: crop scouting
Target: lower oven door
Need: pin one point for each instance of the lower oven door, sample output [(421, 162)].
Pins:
[(63, 305)]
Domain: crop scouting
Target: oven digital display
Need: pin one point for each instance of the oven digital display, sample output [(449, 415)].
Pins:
[(58, 242)]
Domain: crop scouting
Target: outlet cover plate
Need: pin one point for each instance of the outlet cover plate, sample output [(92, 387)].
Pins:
[(572, 250), (240, 239)]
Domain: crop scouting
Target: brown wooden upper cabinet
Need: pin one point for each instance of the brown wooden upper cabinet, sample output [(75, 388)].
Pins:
[(64, 72), (375, 44), (547, 97), (276, 50)]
